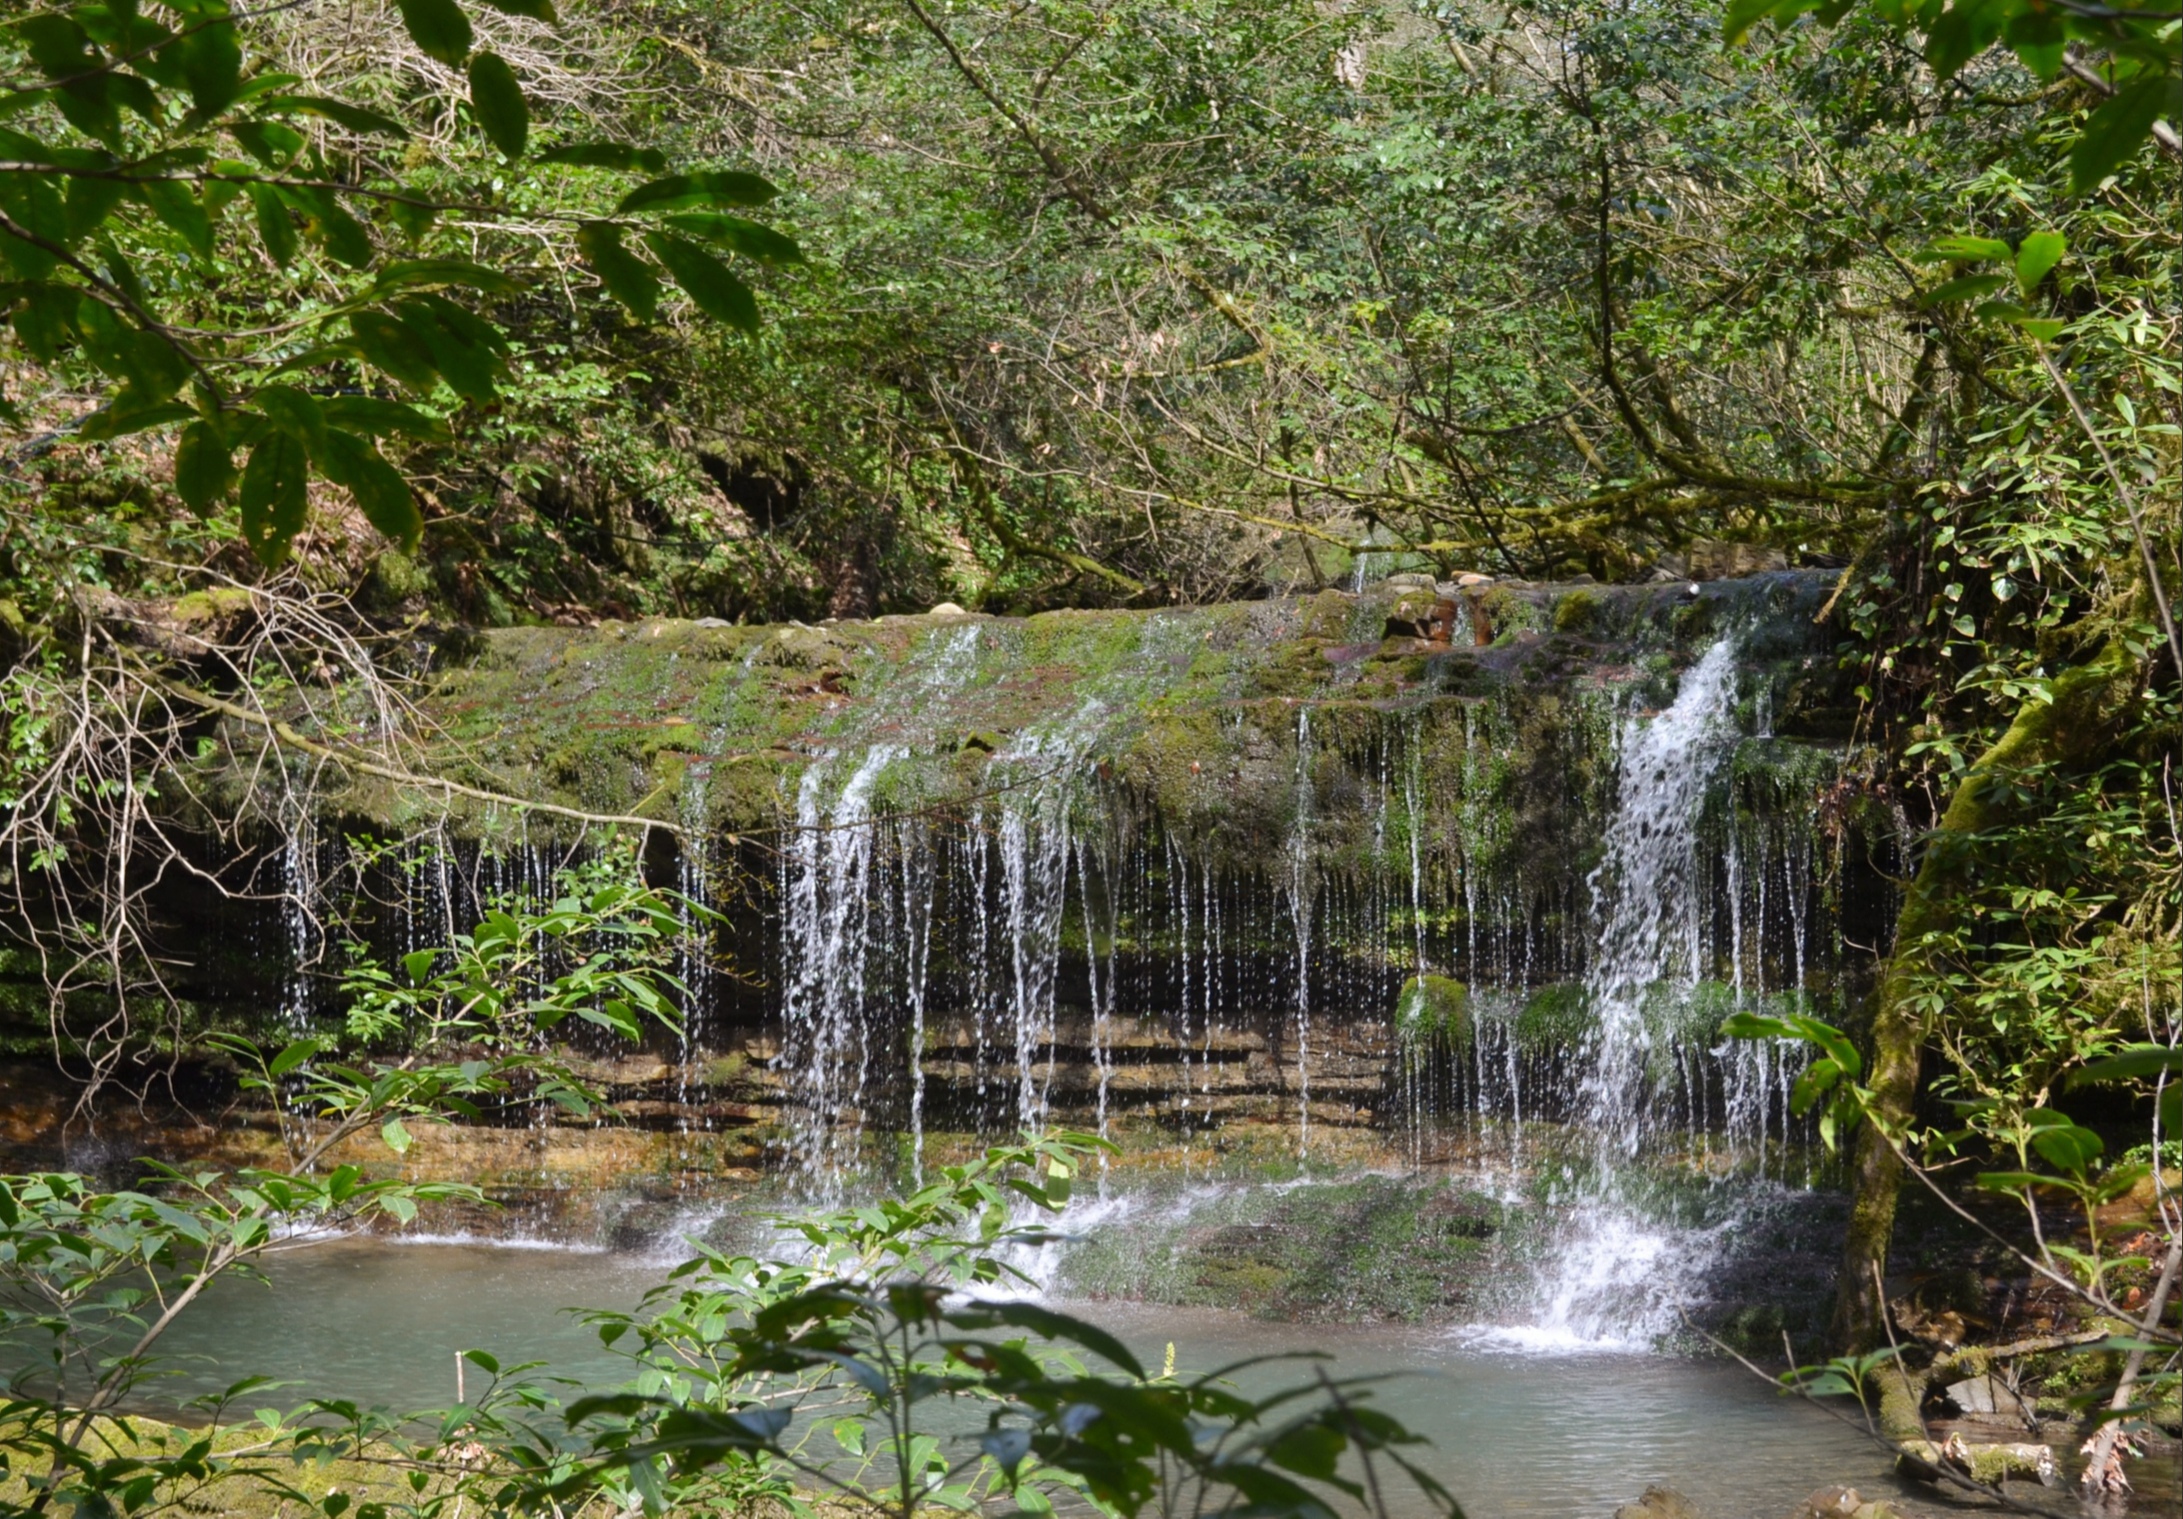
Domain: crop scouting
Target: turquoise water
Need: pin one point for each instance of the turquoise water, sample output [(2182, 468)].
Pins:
[(1517, 1436)]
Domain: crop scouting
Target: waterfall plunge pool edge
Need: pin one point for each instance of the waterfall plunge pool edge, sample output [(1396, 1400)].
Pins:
[(1515, 1436)]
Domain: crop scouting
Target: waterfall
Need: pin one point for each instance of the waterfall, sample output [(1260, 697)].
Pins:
[(1170, 876), (1619, 1277), (827, 926)]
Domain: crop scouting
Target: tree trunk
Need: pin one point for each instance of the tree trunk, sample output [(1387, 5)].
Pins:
[(2074, 724)]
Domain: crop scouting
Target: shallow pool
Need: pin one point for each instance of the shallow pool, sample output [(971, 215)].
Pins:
[(1516, 1435)]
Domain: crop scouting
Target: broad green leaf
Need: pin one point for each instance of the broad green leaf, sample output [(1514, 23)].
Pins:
[(34, 203), (2045, 328), (466, 362), (628, 278), (1968, 249), (296, 413), (330, 225), (355, 118), (173, 204), (211, 59), (2116, 130), (439, 27), (293, 1055), (707, 281), (605, 155), (272, 143), (45, 322), (274, 496), (709, 187), (88, 203), (396, 1136), (130, 412), (1964, 287), (412, 218), (739, 235), (1960, 33), (2035, 256), (439, 273), (57, 45), (377, 487), (276, 226), (2138, 1060), (377, 418), (1742, 16), (496, 99), (2068, 1147)]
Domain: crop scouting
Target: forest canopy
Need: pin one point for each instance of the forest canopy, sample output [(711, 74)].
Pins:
[(1104, 303)]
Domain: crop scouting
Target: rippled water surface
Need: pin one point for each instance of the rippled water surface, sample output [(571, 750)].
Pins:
[(1516, 1435)]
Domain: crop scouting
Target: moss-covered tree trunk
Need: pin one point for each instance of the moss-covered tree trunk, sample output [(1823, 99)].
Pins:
[(2071, 726)]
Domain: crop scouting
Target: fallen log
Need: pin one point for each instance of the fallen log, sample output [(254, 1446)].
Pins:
[(2020, 1461)]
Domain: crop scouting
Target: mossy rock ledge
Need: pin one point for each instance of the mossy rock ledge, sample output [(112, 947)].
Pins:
[(1199, 715)]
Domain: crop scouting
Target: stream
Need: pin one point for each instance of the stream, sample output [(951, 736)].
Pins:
[(1515, 1435)]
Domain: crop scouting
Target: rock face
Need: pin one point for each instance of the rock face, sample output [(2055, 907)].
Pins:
[(1321, 864)]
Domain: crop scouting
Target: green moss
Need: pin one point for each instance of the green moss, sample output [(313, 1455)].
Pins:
[(1581, 611), (1553, 1019), (1433, 1012), (395, 578), (1372, 1247)]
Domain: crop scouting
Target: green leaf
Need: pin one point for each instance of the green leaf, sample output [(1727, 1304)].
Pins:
[(273, 496), (212, 63), (1964, 287), (355, 118), (739, 235), (130, 412), (605, 155), (276, 226), (376, 486), (709, 187), (173, 204), (496, 100), (88, 203), (439, 274), (45, 322), (1741, 17), (204, 470), (1968, 249), (707, 281), (272, 143), (412, 218), (461, 352), (2114, 132), (296, 413), (340, 234), (2035, 256), (2137, 1060), (1959, 34), (34, 204), (536, 10), (292, 1056), (2045, 328), (2068, 1147), (628, 278), (377, 418), (439, 27), (396, 1137), (389, 346)]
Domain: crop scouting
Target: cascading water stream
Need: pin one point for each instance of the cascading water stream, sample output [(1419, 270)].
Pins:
[(1618, 1277)]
